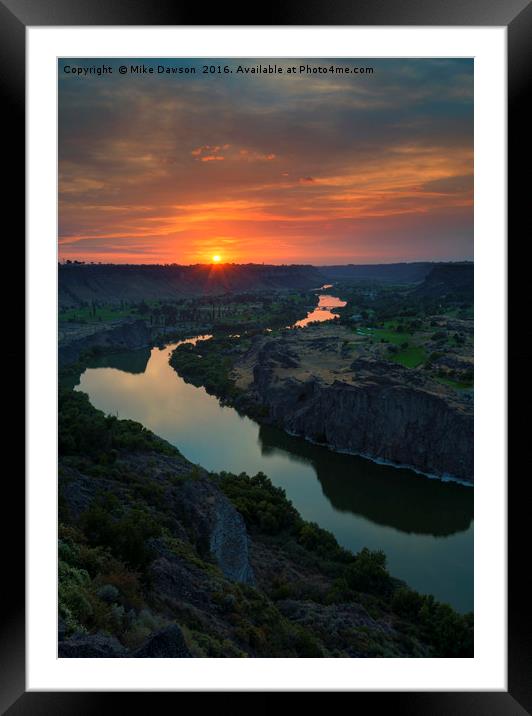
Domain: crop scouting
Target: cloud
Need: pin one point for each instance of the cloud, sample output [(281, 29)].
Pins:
[(208, 153), (284, 160)]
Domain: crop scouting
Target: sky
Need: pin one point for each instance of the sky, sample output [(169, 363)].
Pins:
[(266, 168)]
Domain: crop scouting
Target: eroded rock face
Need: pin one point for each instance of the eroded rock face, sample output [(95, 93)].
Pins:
[(385, 412), (219, 528), (131, 334), (198, 511)]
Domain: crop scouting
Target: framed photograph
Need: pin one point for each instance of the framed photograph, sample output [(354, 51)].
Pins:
[(266, 269)]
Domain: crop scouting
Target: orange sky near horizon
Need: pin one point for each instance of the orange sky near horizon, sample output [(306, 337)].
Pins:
[(271, 170)]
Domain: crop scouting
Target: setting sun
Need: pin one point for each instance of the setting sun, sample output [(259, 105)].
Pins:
[(216, 259)]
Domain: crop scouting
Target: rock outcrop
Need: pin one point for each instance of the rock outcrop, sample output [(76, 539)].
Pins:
[(127, 335), (198, 508), (219, 528), (381, 410), (167, 643)]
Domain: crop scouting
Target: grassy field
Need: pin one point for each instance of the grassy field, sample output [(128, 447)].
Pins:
[(389, 336), (456, 384), (410, 357)]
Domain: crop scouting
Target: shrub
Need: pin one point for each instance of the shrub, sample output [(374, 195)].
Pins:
[(322, 542), (73, 596), (127, 584), (263, 506), (450, 633), (368, 573), (126, 536), (407, 603), (306, 645), (108, 593), (83, 430)]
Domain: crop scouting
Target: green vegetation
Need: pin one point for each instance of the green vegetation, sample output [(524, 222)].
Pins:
[(208, 364), (393, 332), (98, 592), (401, 348), (456, 384), (362, 578), (94, 313), (122, 501), (410, 357), (263, 506), (85, 431), (405, 326), (229, 310), (105, 554), (130, 489)]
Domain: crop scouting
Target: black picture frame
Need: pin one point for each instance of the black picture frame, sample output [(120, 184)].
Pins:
[(516, 15)]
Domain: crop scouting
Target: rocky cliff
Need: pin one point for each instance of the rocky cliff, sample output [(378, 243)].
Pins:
[(196, 509), (452, 279), (126, 335), (378, 409)]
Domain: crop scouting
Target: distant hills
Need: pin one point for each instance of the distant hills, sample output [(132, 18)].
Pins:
[(388, 273), (446, 279), (112, 283)]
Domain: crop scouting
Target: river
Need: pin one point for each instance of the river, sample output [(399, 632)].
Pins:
[(424, 526), (324, 309)]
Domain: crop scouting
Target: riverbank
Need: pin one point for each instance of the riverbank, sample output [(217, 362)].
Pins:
[(80, 341), (160, 558), (314, 383), (423, 526), (448, 513)]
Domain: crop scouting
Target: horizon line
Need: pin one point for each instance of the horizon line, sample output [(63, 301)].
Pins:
[(79, 262)]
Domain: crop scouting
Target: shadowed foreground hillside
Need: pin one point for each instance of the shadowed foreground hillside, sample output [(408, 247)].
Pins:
[(158, 558)]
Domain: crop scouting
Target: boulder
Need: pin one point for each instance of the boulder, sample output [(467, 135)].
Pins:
[(219, 529), (168, 643)]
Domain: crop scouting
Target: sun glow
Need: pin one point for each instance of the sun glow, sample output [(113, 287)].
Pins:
[(216, 259)]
